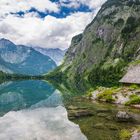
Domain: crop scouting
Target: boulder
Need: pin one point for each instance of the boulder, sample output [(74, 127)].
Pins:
[(75, 107), (124, 117), (103, 111), (135, 136), (73, 114)]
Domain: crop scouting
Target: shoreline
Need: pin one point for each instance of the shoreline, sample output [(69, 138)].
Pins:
[(121, 95)]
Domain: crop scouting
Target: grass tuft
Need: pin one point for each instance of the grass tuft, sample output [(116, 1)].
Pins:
[(125, 134)]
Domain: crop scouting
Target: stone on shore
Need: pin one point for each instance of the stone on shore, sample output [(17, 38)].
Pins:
[(124, 117)]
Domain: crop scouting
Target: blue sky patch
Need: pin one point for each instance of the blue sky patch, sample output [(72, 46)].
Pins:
[(64, 11)]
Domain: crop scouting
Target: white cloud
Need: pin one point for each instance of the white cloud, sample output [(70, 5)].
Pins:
[(39, 124), (44, 5), (50, 32), (13, 6), (92, 4)]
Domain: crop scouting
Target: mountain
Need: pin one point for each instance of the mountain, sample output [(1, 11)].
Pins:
[(56, 55), (23, 60), (106, 48)]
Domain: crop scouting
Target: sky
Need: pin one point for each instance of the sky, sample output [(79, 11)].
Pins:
[(45, 23)]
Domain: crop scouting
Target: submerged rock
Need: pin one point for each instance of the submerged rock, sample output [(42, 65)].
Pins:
[(103, 111), (105, 126), (72, 107), (108, 118), (73, 114), (136, 106), (102, 115), (99, 126), (75, 107), (111, 126), (124, 117)]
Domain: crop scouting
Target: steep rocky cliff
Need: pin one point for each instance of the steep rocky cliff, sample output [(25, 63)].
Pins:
[(107, 46)]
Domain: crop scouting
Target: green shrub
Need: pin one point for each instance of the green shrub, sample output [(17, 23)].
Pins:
[(132, 96), (134, 86), (129, 50), (107, 95), (106, 76), (130, 26), (134, 63), (84, 55), (125, 134), (134, 99), (109, 99), (119, 23), (89, 92)]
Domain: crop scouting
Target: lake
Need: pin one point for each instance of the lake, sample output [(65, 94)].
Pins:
[(36, 110)]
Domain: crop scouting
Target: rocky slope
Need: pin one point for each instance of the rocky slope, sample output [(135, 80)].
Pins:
[(101, 54), (23, 60)]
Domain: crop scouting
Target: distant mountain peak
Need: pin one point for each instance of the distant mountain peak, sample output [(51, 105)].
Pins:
[(23, 60), (55, 54), (6, 43), (5, 40)]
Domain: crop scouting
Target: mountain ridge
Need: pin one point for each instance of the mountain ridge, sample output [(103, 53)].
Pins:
[(102, 54), (21, 59), (55, 54)]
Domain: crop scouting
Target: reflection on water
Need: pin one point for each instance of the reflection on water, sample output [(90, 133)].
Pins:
[(33, 110), (52, 101), (23, 94)]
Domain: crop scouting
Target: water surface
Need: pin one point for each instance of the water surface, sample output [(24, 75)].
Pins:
[(36, 110), (33, 110)]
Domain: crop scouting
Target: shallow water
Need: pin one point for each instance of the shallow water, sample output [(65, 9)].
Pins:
[(103, 124), (35, 110)]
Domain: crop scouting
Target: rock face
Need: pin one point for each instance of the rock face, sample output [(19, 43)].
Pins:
[(23, 60), (107, 46)]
